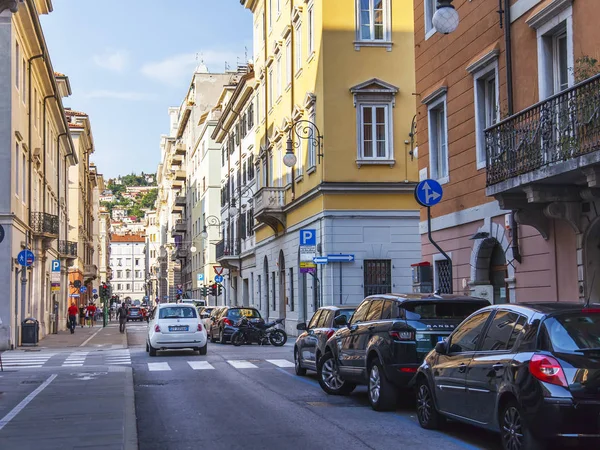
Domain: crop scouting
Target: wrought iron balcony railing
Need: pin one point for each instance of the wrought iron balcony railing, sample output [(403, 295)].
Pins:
[(67, 248), (562, 127), (44, 223), (226, 250)]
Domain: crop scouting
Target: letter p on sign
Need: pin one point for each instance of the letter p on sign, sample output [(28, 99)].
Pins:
[(308, 237), (55, 265)]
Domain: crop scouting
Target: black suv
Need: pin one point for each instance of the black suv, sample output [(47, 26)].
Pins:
[(386, 341)]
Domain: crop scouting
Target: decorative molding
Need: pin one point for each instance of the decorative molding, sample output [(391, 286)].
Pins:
[(374, 90), (11, 5), (534, 218), (436, 94), (309, 100), (286, 32), (547, 12), (568, 211), (520, 7), (483, 60)]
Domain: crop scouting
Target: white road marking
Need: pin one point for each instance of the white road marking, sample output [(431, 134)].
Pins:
[(200, 365), (17, 409), (281, 362), (240, 364), (25, 361), (75, 359), (90, 338), (154, 367)]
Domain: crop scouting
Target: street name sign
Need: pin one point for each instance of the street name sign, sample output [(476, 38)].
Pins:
[(428, 193)]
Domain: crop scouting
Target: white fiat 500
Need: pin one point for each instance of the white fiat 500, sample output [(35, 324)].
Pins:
[(176, 326)]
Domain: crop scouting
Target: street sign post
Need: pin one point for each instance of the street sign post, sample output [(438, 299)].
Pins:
[(308, 250), (200, 279), (429, 193), (26, 258)]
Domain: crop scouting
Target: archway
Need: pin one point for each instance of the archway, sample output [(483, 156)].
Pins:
[(282, 303), (491, 270), (592, 262)]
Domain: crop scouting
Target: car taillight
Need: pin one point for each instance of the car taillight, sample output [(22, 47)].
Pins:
[(547, 369), (226, 321), (408, 369), (199, 327), (591, 310), (330, 333), (157, 328), (402, 335)]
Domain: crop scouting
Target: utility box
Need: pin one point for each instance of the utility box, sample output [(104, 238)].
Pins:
[(422, 277)]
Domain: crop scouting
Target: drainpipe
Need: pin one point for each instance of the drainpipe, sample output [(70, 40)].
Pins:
[(510, 95), (293, 57)]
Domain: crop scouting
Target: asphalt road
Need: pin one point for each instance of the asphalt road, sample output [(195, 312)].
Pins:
[(187, 401)]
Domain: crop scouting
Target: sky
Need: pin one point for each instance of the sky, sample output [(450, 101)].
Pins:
[(129, 60)]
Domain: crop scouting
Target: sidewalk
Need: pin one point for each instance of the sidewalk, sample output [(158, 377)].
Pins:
[(91, 337)]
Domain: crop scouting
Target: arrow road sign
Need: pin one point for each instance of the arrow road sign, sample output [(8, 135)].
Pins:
[(428, 193), (340, 258), (320, 260)]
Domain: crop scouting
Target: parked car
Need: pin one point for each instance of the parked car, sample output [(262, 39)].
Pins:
[(310, 344), (386, 341), (528, 371), (134, 313), (176, 326), (205, 313), (223, 326)]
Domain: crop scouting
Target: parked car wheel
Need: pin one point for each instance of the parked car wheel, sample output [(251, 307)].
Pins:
[(202, 350), (147, 347), (152, 350), (222, 337), (382, 393), (300, 371), (212, 338), (429, 417), (515, 431), (329, 377)]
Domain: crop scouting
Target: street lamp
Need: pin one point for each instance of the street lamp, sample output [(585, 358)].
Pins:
[(211, 221), (445, 20), (232, 208), (303, 129)]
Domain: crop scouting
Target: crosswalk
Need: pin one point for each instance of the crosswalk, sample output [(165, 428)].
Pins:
[(118, 357), (25, 360), (75, 359), (165, 366)]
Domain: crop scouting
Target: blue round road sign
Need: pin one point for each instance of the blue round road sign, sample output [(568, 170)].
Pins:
[(428, 193), (218, 278), (94, 291), (83, 289), (26, 258)]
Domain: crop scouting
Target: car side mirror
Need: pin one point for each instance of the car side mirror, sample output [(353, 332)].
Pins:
[(441, 347), (340, 321), (301, 327)]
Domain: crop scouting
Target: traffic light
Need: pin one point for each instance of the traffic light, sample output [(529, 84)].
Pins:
[(219, 289), (103, 290), (203, 291), (213, 290)]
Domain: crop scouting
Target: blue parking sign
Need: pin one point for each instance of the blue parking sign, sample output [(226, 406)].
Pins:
[(308, 237)]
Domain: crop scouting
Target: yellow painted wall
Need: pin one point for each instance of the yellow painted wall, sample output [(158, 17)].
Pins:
[(362, 202)]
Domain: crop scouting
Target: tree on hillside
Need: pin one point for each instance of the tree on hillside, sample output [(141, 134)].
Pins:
[(149, 198)]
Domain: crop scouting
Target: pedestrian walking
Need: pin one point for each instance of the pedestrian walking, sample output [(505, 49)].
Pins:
[(73, 311), (122, 316), (82, 315), (91, 309)]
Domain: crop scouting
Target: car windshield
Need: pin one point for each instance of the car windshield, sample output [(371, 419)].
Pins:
[(177, 312), (345, 312), (573, 332), (243, 312), (443, 309)]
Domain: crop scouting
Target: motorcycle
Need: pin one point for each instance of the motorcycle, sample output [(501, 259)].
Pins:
[(248, 332)]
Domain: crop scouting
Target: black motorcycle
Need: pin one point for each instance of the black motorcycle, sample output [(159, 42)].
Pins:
[(248, 332)]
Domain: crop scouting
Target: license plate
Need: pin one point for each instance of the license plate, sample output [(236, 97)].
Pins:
[(440, 338), (178, 328)]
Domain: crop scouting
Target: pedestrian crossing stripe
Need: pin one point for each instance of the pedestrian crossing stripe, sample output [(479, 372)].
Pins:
[(281, 362), (242, 364), (25, 361), (205, 365), (154, 367), (200, 365)]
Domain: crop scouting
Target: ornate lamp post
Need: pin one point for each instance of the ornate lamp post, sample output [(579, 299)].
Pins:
[(210, 221), (445, 20), (304, 130)]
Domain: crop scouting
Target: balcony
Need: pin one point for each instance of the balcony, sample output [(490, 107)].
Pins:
[(228, 255), (182, 253), (180, 226), (176, 160), (543, 161), (180, 149), (90, 272), (180, 201), (44, 225), (268, 207), (67, 249)]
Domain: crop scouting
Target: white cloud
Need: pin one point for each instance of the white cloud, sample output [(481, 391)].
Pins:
[(120, 95), (113, 60), (178, 68)]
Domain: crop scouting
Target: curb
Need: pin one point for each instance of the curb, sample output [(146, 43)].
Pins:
[(130, 438)]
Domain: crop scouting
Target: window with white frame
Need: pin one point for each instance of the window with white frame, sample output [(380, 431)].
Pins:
[(279, 77), (554, 28), (279, 165), (271, 91), (17, 158), (429, 11), (288, 62), (312, 149), (374, 102), (487, 110), (438, 139), (298, 45), (17, 65), (311, 30), (373, 21)]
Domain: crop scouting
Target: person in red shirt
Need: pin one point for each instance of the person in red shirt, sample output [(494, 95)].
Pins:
[(73, 311), (92, 314)]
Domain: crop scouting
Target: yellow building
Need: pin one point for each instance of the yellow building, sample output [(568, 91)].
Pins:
[(348, 67)]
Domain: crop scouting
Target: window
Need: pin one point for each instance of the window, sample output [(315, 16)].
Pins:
[(373, 22), (499, 335), (17, 158), (442, 273), (311, 30), (137, 262), (298, 45), (279, 165), (291, 289), (430, 7), (24, 77), (466, 336), (23, 177), (386, 312), (374, 132), (487, 111), (288, 62), (119, 273), (361, 312), (315, 319), (560, 62), (377, 276), (119, 286), (438, 141), (279, 77), (375, 310), (250, 116), (128, 286), (271, 92), (17, 65), (312, 150), (271, 14), (325, 319)]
